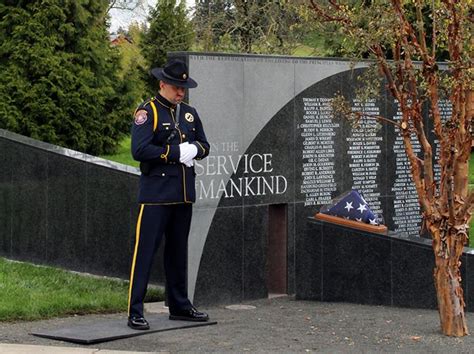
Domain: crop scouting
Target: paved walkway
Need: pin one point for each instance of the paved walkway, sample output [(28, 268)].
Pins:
[(269, 325)]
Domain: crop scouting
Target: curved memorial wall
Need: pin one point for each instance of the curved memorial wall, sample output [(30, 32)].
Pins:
[(275, 141), (277, 155)]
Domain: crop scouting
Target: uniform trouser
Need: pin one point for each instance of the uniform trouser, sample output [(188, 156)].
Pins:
[(153, 221)]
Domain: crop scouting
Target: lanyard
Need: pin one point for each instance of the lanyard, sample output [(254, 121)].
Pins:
[(176, 122)]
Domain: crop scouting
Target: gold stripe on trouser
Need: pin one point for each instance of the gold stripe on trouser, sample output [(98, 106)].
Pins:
[(137, 240)]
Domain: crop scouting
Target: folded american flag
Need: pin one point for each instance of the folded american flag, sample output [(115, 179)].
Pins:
[(352, 206)]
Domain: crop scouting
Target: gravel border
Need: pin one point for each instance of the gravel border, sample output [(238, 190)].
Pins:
[(279, 325)]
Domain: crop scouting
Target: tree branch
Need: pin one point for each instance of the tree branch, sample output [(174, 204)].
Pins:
[(328, 17), (421, 27)]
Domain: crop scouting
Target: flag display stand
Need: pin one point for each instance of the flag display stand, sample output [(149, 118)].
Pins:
[(379, 229)]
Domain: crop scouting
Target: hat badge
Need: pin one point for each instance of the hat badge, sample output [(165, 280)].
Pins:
[(184, 76)]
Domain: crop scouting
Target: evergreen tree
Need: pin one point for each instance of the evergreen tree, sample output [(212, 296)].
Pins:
[(249, 26), (213, 20), (132, 62), (170, 30), (59, 78)]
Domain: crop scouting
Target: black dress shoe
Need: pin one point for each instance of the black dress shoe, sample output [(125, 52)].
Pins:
[(189, 315), (135, 322)]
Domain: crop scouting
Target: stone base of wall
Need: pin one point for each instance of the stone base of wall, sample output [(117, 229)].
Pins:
[(337, 263)]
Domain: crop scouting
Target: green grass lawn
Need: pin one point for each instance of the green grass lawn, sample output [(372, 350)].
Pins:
[(123, 155), (30, 292)]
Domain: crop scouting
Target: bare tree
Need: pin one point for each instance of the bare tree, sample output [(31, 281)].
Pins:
[(412, 33), (128, 5)]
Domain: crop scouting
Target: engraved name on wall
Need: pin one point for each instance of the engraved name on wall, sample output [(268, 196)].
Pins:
[(318, 131)]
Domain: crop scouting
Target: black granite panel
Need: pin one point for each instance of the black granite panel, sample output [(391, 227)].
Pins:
[(230, 191), (271, 155), (300, 220), (220, 275), (369, 268), (345, 175), (309, 261), (468, 281), (365, 143), (401, 208), (464, 279), (386, 132), (29, 203), (67, 205), (390, 166), (412, 275), (5, 199), (108, 222), (15, 139), (291, 247), (308, 163), (356, 266), (255, 227), (66, 208)]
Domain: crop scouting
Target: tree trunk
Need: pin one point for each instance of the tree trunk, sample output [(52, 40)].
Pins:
[(447, 279)]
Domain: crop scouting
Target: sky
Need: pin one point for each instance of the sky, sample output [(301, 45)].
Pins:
[(121, 18)]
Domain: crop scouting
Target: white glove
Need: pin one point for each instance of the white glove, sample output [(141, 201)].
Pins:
[(189, 163), (187, 152)]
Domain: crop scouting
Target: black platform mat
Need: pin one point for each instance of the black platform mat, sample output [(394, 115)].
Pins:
[(103, 331)]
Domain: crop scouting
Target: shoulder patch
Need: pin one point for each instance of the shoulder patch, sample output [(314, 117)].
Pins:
[(141, 117)]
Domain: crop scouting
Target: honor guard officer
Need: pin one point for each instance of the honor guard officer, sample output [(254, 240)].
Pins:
[(167, 135)]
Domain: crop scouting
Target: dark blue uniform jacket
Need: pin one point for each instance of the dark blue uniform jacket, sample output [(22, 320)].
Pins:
[(156, 135)]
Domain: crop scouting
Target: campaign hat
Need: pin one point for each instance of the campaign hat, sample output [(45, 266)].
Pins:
[(175, 72)]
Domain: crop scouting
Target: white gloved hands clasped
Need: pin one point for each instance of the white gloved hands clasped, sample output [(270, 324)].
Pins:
[(187, 152)]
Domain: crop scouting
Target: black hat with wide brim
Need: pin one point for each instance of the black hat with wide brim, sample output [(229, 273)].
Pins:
[(175, 72)]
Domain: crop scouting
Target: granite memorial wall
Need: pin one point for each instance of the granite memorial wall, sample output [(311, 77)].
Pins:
[(275, 146), (275, 141)]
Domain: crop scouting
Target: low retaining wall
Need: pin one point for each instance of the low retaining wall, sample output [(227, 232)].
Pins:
[(64, 208), (337, 263)]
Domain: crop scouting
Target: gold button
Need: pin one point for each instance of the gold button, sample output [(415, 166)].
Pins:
[(184, 136)]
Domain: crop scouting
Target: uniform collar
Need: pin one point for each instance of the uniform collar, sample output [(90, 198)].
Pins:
[(164, 102)]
